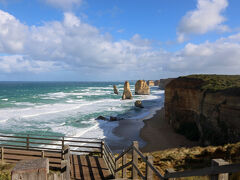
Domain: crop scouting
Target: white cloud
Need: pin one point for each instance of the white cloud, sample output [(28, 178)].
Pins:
[(207, 17), (75, 46), (64, 4), (12, 33), (18, 63), (221, 56)]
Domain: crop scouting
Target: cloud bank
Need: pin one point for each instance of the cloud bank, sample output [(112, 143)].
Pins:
[(206, 17), (72, 45)]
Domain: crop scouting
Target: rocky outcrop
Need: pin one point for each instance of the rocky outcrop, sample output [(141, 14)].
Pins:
[(101, 118), (157, 83), (115, 90), (138, 103), (150, 83), (141, 88), (127, 94), (205, 108), (164, 82)]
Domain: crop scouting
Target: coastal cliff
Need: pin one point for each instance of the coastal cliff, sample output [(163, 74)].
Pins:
[(205, 108), (164, 82)]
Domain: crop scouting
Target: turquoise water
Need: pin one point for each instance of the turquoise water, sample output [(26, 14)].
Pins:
[(69, 108)]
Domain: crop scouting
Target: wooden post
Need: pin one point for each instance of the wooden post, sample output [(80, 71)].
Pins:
[(219, 162), (117, 165), (66, 152), (149, 173), (27, 142), (42, 154), (65, 169), (102, 146), (65, 163), (135, 160), (170, 170), (124, 170), (62, 146), (2, 153)]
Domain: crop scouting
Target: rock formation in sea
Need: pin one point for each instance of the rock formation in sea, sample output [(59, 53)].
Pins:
[(157, 83), (141, 88), (115, 89), (164, 82), (127, 94), (138, 103), (101, 118), (150, 83), (205, 107)]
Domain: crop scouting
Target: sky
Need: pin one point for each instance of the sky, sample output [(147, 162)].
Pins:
[(117, 40)]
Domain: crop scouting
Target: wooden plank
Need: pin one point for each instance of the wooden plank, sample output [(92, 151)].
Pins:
[(88, 167), (32, 153), (21, 157)]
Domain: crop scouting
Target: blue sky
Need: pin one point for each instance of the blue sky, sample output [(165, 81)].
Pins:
[(79, 40)]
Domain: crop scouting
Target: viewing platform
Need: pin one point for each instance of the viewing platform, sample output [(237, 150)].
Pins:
[(88, 158)]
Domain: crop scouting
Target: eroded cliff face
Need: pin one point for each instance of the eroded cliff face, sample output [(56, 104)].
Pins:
[(164, 82), (212, 117)]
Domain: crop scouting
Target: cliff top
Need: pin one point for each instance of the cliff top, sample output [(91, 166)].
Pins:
[(216, 82)]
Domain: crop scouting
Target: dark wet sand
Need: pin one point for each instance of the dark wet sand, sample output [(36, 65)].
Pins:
[(152, 134), (159, 135)]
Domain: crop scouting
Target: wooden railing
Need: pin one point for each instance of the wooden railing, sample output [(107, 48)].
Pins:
[(220, 169), (119, 165), (15, 147), (50, 143)]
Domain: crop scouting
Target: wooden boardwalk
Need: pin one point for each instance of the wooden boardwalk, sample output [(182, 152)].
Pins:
[(89, 168)]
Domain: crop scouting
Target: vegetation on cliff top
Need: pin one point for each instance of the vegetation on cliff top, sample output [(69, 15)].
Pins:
[(217, 82), (5, 171), (182, 159)]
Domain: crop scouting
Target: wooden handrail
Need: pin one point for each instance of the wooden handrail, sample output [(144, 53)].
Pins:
[(135, 166), (109, 156), (231, 168), (124, 166), (124, 152), (138, 171), (149, 164), (48, 135), (28, 142)]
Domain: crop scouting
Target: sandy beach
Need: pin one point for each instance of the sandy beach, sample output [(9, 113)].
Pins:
[(159, 135), (153, 134)]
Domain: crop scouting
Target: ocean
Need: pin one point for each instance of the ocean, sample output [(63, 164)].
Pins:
[(70, 108)]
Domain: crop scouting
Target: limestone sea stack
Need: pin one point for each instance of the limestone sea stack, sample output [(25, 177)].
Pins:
[(150, 83), (205, 108), (115, 89), (141, 88), (127, 94)]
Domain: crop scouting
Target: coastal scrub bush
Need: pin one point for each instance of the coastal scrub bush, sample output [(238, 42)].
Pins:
[(212, 82)]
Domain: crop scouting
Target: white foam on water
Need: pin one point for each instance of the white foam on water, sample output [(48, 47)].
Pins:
[(54, 116), (58, 109), (5, 99)]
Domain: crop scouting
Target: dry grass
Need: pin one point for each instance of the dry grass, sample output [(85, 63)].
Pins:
[(5, 170), (181, 159), (196, 157)]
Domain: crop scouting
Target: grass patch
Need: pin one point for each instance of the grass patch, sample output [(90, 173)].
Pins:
[(217, 82), (5, 171)]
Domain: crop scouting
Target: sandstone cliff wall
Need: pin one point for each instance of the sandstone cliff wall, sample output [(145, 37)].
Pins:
[(213, 117), (164, 82)]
